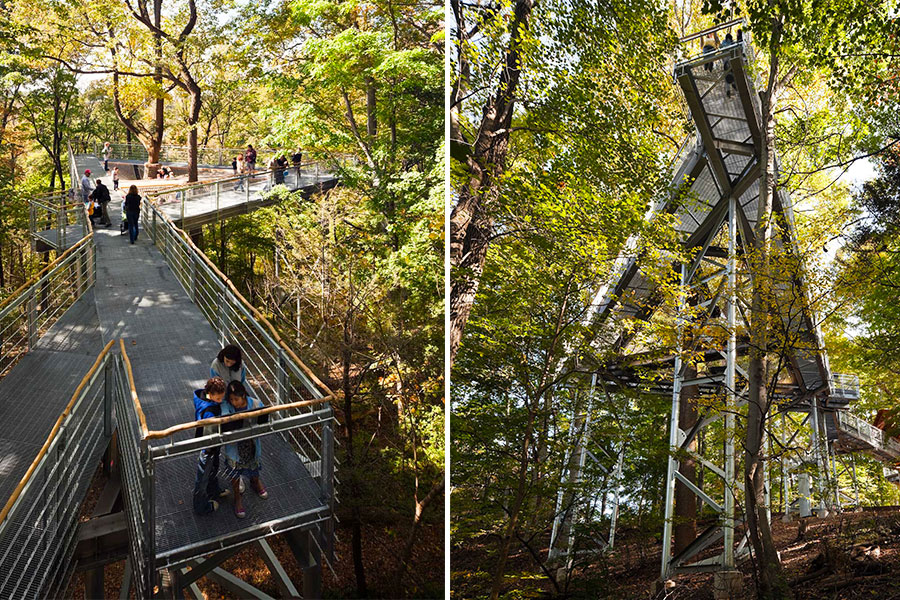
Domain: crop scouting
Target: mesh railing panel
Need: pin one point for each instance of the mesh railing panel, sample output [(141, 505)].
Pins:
[(137, 475), (38, 536), (35, 308)]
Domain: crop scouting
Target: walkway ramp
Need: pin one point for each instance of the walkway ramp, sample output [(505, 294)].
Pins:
[(170, 344), (35, 391)]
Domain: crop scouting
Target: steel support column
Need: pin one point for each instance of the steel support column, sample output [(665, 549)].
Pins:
[(731, 397), (674, 439)]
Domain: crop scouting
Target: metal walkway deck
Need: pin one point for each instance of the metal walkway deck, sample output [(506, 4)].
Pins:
[(35, 391), (171, 345)]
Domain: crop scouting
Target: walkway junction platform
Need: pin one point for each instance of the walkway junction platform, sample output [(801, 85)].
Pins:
[(713, 195), (101, 354)]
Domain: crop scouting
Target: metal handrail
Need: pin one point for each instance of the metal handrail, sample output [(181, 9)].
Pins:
[(266, 329), (713, 29), (43, 217), (216, 156), (39, 521), (53, 432)]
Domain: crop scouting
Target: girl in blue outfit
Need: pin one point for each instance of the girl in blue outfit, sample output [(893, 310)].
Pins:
[(242, 459)]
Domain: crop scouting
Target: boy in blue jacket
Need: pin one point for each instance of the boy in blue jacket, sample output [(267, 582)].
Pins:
[(208, 405)]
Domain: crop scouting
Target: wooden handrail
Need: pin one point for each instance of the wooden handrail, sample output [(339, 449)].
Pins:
[(44, 271), (53, 432), (134, 397), (155, 435), (260, 317)]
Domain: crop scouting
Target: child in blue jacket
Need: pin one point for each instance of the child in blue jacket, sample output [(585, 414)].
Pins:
[(208, 405)]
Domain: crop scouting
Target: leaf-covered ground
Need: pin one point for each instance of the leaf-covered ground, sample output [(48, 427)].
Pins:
[(849, 556)]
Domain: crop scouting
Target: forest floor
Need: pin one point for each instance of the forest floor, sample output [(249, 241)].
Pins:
[(847, 556), (382, 545)]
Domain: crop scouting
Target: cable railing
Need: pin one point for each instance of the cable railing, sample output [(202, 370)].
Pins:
[(32, 309), (213, 156), (242, 190), (39, 522)]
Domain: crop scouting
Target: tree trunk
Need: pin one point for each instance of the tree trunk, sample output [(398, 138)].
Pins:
[(193, 121), (685, 524), (371, 115), (436, 489), (471, 222), (516, 506), (356, 527), (772, 583)]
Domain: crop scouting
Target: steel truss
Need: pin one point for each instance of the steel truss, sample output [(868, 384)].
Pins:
[(574, 509)]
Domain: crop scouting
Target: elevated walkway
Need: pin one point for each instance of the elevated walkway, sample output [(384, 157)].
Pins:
[(714, 196), (171, 343), (199, 204), (170, 311)]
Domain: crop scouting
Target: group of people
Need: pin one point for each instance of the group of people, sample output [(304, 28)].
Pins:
[(246, 164), (710, 45), (226, 393), (165, 173), (96, 199)]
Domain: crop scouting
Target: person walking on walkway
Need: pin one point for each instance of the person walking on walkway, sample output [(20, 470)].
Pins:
[(244, 458), (250, 158), (133, 212), (709, 45), (296, 162), (101, 198), (107, 151), (86, 186), (115, 178), (208, 405), (239, 171)]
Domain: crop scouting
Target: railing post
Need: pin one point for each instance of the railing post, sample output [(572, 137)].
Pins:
[(327, 464), (30, 319), (327, 485), (247, 190), (283, 387), (153, 229), (226, 294), (193, 278), (149, 517), (61, 222), (108, 380), (218, 193)]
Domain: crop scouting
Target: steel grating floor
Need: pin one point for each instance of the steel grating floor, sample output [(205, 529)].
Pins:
[(37, 389), (171, 345), (74, 233)]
